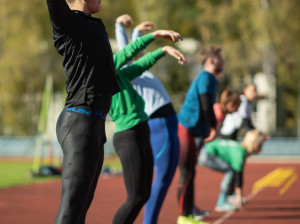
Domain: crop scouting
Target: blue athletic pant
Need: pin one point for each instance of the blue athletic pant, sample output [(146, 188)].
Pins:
[(165, 147)]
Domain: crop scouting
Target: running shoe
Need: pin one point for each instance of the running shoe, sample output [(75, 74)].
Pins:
[(225, 207), (200, 214), (189, 220)]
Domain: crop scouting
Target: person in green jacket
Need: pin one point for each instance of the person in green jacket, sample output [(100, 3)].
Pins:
[(132, 136), (229, 156)]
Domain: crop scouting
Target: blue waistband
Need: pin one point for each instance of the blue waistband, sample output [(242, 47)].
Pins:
[(87, 112)]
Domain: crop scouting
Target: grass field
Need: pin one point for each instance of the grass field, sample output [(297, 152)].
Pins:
[(16, 172)]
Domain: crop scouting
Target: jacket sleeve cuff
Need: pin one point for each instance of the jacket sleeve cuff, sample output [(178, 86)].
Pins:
[(148, 38), (157, 54)]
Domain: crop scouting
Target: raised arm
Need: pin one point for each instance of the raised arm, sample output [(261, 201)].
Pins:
[(123, 56), (168, 35), (122, 39), (120, 31), (137, 31), (173, 52), (59, 12), (145, 26), (142, 64), (131, 50), (147, 61)]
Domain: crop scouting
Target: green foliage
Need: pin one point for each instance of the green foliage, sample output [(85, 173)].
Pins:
[(25, 60), (256, 36)]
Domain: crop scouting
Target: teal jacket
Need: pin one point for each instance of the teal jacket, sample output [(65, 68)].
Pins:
[(127, 107)]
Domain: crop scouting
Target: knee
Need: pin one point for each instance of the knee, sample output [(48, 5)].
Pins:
[(187, 173), (224, 188), (139, 199), (226, 183), (165, 179)]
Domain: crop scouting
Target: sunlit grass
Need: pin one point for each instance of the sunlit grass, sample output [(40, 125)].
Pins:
[(17, 172)]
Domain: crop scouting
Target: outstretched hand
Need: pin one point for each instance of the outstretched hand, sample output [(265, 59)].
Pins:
[(167, 34), (145, 26), (212, 135), (174, 53), (125, 19)]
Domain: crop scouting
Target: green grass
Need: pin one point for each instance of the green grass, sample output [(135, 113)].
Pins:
[(17, 173), (113, 164)]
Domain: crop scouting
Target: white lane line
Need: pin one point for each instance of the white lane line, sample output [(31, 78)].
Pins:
[(224, 217)]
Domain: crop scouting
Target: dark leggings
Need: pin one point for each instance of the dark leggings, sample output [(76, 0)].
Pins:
[(82, 138), (134, 149)]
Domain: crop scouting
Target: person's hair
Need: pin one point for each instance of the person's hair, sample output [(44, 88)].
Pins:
[(248, 85), (228, 95), (252, 140), (209, 52)]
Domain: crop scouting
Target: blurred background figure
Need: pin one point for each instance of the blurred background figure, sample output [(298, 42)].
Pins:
[(197, 122), (229, 103), (229, 157), (241, 120)]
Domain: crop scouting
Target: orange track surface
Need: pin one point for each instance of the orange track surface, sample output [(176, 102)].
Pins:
[(38, 203)]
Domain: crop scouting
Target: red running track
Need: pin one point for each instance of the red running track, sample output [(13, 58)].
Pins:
[(38, 203)]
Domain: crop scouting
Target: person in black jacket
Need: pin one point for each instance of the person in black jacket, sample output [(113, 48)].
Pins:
[(90, 78)]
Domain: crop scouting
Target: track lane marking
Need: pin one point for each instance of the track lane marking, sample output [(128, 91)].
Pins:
[(227, 215), (280, 177), (288, 184), (276, 178)]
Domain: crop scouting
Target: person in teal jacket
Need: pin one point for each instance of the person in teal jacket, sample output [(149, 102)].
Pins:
[(132, 136), (229, 156)]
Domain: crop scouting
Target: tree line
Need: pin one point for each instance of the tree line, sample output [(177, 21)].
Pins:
[(256, 36)]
